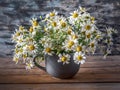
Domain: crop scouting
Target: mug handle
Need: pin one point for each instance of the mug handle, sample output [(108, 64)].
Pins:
[(39, 66)]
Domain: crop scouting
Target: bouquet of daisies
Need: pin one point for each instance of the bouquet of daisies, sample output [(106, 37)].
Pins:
[(56, 34)]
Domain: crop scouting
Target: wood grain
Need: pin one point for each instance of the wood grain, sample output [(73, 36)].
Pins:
[(96, 69), (37, 71), (48, 79), (96, 74), (74, 86), (92, 61)]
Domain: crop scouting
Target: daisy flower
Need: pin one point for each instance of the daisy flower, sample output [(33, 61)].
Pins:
[(88, 36), (34, 22), (75, 14), (62, 22), (69, 44), (82, 9), (48, 50), (79, 48), (64, 58), (74, 17), (51, 14), (73, 36), (79, 58), (29, 64), (21, 28), (31, 47), (93, 45), (15, 59)]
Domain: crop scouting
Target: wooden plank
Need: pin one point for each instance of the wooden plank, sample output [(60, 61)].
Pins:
[(73, 86), (48, 79), (95, 61), (21, 72), (110, 64), (100, 58), (96, 70), (36, 71)]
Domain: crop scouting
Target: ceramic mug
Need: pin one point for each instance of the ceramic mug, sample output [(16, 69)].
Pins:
[(58, 69)]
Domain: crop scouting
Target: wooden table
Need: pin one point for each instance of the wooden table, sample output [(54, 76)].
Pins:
[(95, 74)]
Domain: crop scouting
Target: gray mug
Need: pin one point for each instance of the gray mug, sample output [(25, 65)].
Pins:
[(58, 69)]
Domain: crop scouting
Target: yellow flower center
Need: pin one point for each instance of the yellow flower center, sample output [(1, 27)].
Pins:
[(70, 43), (92, 44), (48, 50), (98, 36), (79, 57), (63, 58), (21, 28), (15, 59), (20, 40), (74, 36), (31, 47), (21, 50), (52, 14), (24, 56), (17, 33), (43, 41), (16, 51), (69, 46), (75, 15), (28, 64), (54, 24), (35, 23), (83, 32), (31, 29), (69, 31), (88, 35), (87, 27), (31, 39), (63, 24), (78, 48)]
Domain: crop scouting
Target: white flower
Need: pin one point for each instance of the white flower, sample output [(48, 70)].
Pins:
[(48, 50), (51, 14), (79, 48), (79, 58), (64, 58), (16, 59), (85, 17), (73, 36), (18, 52), (70, 44), (29, 65), (74, 17), (92, 47), (75, 14), (21, 28), (82, 9), (34, 22), (42, 41), (110, 31), (88, 27), (88, 36), (62, 23)]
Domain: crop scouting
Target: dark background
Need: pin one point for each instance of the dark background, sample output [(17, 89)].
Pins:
[(18, 12)]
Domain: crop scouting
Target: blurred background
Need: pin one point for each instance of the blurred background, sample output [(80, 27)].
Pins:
[(19, 12)]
